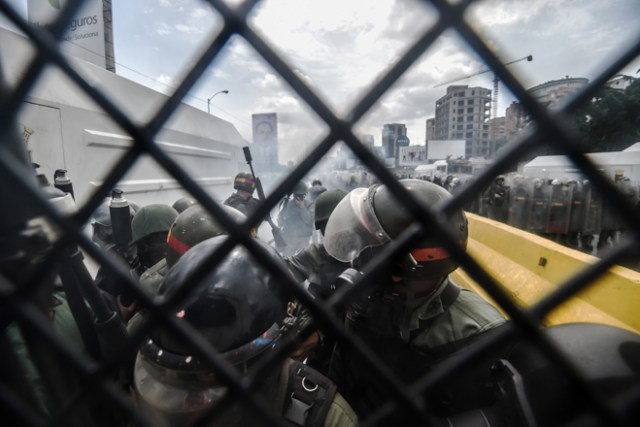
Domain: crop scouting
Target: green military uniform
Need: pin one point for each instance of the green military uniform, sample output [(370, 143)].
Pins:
[(153, 277), (339, 413), (245, 206), (410, 345), (151, 281), (64, 324), (320, 269), (315, 265)]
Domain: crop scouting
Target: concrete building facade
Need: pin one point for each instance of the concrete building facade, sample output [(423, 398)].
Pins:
[(430, 131), (463, 113), (394, 135), (550, 94), (515, 120)]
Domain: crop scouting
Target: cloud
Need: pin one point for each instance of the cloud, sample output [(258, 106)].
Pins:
[(507, 12), (163, 29), (339, 48), (268, 82), (190, 29)]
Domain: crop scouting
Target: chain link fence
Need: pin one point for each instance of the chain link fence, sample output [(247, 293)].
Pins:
[(31, 256)]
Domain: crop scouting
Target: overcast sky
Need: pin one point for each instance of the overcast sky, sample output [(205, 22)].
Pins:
[(340, 46)]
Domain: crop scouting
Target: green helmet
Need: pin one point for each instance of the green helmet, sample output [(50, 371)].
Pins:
[(300, 188), (373, 217), (192, 226), (326, 203), (150, 219), (183, 203)]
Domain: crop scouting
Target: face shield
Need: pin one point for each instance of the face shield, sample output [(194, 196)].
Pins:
[(353, 226), (179, 389)]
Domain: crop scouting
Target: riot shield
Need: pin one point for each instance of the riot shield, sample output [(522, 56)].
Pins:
[(558, 222), (577, 209), (539, 212), (519, 204), (592, 223)]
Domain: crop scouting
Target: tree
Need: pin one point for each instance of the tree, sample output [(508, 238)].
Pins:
[(609, 122), (612, 120)]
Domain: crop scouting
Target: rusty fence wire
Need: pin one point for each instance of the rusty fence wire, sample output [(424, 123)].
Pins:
[(21, 288)]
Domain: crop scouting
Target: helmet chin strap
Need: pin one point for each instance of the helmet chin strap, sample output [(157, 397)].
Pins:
[(405, 301), (405, 335)]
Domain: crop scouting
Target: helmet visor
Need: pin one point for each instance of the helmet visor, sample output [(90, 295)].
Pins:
[(353, 226)]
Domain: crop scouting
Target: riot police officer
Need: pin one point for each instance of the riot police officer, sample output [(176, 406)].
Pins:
[(191, 226), (316, 190), (239, 310), (295, 220), (314, 265), (414, 315), (242, 199), (498, 199), (149, 228)]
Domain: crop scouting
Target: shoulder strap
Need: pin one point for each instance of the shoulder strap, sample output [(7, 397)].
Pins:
[(449, 294), (309, 396)]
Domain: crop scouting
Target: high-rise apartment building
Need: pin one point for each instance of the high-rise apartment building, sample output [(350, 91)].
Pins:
[(463, 114), (393, 136), (430, 130)]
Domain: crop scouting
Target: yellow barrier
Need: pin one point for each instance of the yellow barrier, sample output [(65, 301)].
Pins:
[(530, 267)]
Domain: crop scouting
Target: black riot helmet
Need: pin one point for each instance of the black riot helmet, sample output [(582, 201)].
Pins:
[(238, 307), (369, 218), (192, 226)]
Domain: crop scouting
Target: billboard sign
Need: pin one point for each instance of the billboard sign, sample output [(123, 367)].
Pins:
[(443, 149), (265, 137), (85, 33)]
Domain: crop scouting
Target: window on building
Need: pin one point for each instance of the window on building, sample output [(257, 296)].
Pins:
[(470, 126), (460, 110), (470, 101), (469, 135), (459, 127), (469, 118), (470, 110)]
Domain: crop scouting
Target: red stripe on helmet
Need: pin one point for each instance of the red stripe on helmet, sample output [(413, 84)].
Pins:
[(430, 254), (176, 244), (244, 180)]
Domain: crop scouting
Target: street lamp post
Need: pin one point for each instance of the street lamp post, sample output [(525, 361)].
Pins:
[(212, 96)]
